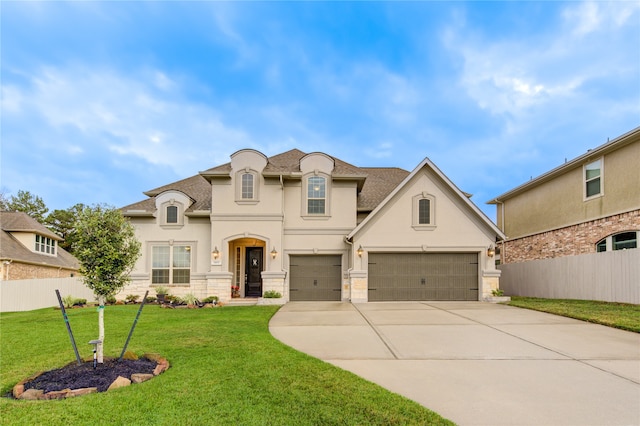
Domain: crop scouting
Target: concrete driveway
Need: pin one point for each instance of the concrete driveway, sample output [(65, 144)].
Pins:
[(477, 363)]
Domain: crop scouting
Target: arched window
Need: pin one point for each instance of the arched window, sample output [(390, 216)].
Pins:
[(424, 218), (424, 212), (620, 241)]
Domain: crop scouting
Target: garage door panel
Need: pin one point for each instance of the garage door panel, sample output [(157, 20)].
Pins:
[(423, 276), (315, 278)]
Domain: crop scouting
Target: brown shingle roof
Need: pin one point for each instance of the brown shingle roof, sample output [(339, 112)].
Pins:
[(380, 182), (12, 249)]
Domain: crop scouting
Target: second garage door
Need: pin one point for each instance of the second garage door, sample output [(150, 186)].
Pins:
[(315, 278), (423, 276)]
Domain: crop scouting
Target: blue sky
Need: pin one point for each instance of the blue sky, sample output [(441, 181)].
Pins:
[(104, 100)]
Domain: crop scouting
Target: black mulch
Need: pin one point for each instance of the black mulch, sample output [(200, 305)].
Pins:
[(74, 376)]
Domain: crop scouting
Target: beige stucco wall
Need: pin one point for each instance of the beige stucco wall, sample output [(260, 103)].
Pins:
[(560, 202), (457, 229)]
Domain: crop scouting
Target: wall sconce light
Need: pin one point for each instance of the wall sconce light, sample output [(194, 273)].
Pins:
[(274, 253), (215, 253), (491, 251), (360, 251)]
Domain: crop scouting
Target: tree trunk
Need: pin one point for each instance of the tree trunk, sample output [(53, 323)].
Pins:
[(100, 330)]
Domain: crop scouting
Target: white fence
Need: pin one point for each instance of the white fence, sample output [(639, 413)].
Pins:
[(610, 277), (26, 295)]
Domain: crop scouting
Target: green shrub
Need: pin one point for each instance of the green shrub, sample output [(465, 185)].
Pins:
[(190, 299), (111, 300), (210, 299), (131, 298), (497, 292), (162, 290), (68, 301), (150, 299), (271, 294), (79, 302)]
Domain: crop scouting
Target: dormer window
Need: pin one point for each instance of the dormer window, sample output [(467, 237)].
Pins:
[(172, 214), (247, 188), (316, 195), (45, 245)]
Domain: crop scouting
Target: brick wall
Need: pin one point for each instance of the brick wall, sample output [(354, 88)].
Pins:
[(23, 271), (568, 241)]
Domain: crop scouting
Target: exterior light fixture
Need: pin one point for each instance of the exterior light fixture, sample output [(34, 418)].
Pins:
[(215, 253), (491, 251), (360, 251), (274, 253)]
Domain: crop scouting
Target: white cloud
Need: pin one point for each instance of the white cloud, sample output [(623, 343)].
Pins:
[(125, 115)]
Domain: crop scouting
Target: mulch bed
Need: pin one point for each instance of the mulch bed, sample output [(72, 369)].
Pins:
[(74, 376)]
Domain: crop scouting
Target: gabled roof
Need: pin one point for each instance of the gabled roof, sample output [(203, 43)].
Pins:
[(196, 187), (592, 154), (380, 182), (11, 249), (461, 195)]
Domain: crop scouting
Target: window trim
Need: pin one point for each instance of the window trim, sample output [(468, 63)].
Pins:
[(327, 196), (586, 180), (415, 222), (239, 187)]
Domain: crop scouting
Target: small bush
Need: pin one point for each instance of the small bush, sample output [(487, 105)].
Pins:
[(162, 290), (271, 294), (150, 299), (132, 298), (497, 292), (190, 299), (79, 302), (68, 301), (111, 300), (210, 299)]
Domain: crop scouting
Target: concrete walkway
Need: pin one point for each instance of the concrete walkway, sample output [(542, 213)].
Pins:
[(477, 363)]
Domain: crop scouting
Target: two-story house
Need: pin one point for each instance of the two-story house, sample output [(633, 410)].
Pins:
[(588, 204), (29, 249), (313, 227)]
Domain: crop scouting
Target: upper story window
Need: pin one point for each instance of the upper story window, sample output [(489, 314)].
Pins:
[(172, 214), (621, 241), (247, 186), (316, 195), (45, 245), (247, 191), (423, 212), (593, 179), (170, 264)]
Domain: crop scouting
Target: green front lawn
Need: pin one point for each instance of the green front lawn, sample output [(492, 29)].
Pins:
[(226, 368), (619, 315)]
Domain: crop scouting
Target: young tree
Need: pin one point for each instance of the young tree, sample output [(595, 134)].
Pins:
[(28, 203), (107, 249)]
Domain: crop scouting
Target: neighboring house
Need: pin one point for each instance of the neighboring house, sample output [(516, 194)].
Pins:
[(589, 204), (313, 227), (28, 250)]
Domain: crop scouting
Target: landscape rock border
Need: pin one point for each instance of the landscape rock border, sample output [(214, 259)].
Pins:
[(37, 394)]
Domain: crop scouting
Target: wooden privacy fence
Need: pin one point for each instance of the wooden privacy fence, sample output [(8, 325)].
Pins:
[(610, 277), (26, 295)]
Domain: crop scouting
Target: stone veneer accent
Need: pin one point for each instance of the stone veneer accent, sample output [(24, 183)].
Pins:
[(568, 241), (24, 271)]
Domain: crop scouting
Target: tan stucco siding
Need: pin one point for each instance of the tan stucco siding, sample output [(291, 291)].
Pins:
[(561, 202)]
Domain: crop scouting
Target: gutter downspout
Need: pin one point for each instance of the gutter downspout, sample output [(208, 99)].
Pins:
[(286, 272)]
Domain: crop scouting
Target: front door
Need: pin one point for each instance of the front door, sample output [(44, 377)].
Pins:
[(253, 272)]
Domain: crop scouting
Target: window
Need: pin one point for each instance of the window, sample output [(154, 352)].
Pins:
[(316, 195), (171, 264), (625, 240), (593, 179), (424, 212), (247, 186), (172, 214), (45, 245), (621, 241)]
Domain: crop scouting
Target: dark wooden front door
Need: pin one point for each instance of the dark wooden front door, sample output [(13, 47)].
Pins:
[(253, 272)]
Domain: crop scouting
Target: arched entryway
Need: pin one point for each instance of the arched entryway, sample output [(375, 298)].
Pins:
[(247, 262)]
